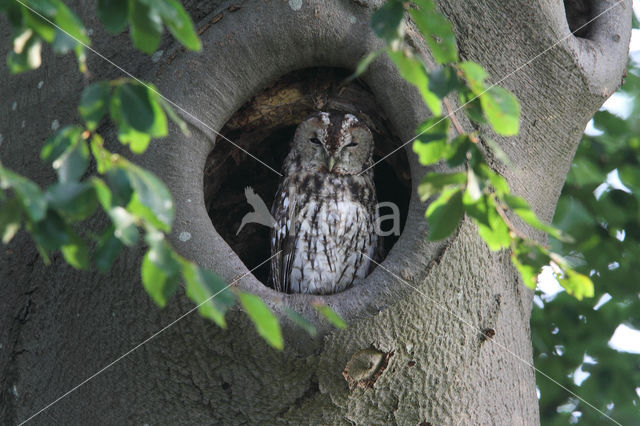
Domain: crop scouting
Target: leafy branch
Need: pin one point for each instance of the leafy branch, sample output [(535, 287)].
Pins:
[(477, 191), (135, 201)]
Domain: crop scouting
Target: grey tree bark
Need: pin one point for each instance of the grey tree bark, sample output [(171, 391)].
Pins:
[(413, 346)]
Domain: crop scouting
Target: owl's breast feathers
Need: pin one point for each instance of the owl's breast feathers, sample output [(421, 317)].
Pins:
[(325, 224)]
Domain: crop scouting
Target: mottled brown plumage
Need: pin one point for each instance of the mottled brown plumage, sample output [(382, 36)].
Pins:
[(325, 207)]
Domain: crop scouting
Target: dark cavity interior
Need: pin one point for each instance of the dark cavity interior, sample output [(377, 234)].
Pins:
[(264, 126), (579, 15)]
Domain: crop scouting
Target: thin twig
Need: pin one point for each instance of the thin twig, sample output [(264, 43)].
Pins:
[(454, 120)]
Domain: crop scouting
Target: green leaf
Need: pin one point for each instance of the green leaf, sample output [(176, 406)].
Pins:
[(94, 103), (500, 107), (576, 284), (135, 105), (103, 193), (209, 292), (385, 22), (119, 186), (266, 323), (113, 14), (26, 53), (76, 252), (502, 110), (32, 200), (146, 26), (101, 155), (412, 69), (491, 226), (433, 183), (125, 226), (529, 260), (152, 193), (62, 43), (13, 11), (70, 33), (475, 75), (51, 233), (517, 204), (521, 207), (159, 129), (444, 214), (497, 151), (496, 236), (45, 7), (473, 190), (431, 143), (107, 249), (127, 134), (471, 104), (300, 321), (67, 152), (365, 62), (172, 114), (140, 211), (10, 219), (437, 31), (478, 209), (59, 143), (75, 200), (178, 22), (330, 315), (70, 23), (81, 56), (477, 161), (458, 150), (39, 25), (138, 115), (443, 81), (72, 164), (499, 183), (138, 141), (160, 273)]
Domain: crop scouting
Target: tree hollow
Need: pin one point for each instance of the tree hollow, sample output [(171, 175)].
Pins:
[(265, 126)]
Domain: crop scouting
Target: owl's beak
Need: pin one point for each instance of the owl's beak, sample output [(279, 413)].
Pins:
[(331, 163)]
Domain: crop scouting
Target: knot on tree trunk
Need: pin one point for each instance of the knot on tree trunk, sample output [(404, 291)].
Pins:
[(365, 367)]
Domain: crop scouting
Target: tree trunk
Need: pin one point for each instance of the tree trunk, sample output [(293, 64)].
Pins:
[(413, 352)]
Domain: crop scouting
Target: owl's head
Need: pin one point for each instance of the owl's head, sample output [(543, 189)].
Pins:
[(334, 143)]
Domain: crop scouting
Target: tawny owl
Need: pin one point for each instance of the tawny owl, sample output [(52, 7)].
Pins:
[(325, 207)]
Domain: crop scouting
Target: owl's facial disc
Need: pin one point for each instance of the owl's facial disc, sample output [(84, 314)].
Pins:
[(333, 143), (354, 147)]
